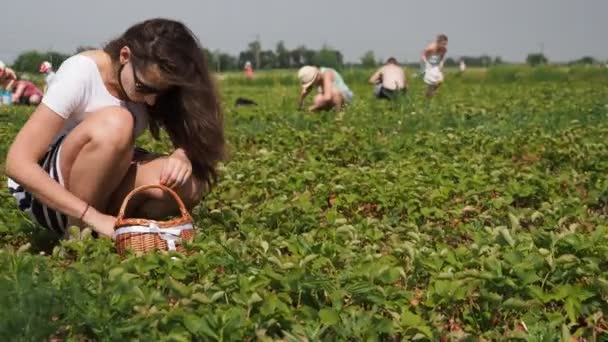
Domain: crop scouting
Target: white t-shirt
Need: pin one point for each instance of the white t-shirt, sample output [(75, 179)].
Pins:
[(78, 90), (50, 76)]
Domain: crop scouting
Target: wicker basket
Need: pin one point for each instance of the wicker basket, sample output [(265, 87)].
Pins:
[(143, 235)]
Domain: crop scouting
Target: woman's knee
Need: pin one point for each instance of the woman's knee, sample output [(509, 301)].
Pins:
[(111, 127), (190, 193), (193, 191), (337, 98), (318, 100)]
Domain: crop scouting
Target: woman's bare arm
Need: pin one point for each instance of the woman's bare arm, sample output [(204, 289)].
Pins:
[(29, 146)]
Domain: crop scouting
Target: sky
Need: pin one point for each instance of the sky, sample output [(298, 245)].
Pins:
[(562, 29)]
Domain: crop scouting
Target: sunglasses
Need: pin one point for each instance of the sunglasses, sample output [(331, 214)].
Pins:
[(143, 88)]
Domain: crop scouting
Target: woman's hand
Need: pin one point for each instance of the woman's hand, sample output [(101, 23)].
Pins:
[(176, 170), (101, 223)]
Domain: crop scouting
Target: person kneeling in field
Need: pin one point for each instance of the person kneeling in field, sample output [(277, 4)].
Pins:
[(389, 80), (74, 160), (26, 93), (433, 57), (333, 92), (8, 77)]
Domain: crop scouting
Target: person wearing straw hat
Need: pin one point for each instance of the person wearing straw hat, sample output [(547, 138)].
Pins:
[(333, 92), (47, 68), (8, 77)]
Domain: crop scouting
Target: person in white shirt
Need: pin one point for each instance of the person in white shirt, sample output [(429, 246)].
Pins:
[(433, 58), (47, 68), (74, 160), (389, 80), (462, 66)]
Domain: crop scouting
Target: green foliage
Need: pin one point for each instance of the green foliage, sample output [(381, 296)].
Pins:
[(328, 57), (30, 61), (535, 59), (368, 60), (586, 60), (479, 215), (283, 60)]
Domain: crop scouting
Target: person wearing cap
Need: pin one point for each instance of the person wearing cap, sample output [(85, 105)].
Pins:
[(8, 77), (333, 92), (389, 80), (47, 68)]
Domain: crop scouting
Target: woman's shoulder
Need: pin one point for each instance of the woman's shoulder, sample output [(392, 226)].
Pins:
[(78, 60), (82, 67), (76, 67)]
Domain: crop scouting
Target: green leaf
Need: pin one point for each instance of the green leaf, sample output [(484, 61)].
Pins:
[(515, 303), (264, 245), (201, 298), (506, 235), (329, 316), (192, 323), (514, 220), (572, 307), (115, 272), (217, 295), (412, 320), (179, 287), (255, 298)]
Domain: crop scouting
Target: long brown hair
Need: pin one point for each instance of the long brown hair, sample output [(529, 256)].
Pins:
[(190, 110)]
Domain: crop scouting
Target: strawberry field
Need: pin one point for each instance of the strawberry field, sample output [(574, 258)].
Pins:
[(482, 215)]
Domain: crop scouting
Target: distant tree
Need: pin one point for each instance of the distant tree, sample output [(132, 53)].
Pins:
[(283, 57), (29, 61), (255, 49), (224, 61), (485, 60), (210, 59), (481, 61), (297, 56), (339, 58), (368, 59), (472, 61), (246, 56), (584, 60), (268, 59), (535, 59), (498, 61), (56, 58), (309, 57), (450, 62), (329, 57)]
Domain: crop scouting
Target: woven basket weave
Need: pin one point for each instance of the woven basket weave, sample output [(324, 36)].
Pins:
[(143, 235)]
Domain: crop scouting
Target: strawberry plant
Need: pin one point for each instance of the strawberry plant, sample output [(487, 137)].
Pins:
[(482, 215)]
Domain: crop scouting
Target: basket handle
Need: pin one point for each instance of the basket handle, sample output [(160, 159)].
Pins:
[(180, 203)]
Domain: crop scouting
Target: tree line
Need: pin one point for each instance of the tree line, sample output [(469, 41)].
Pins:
[(283, 58)]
